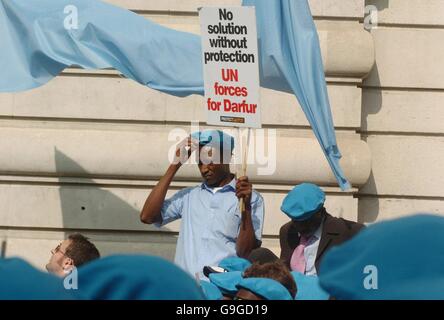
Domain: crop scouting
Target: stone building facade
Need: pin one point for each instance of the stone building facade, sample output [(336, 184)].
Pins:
[(82, 152)]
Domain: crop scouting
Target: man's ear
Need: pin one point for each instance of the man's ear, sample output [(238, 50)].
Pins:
[(68, 264)]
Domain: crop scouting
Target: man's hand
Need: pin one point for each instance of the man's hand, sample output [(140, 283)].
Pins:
[(246, 240), (184, 150), (244, 189), (152, 209)]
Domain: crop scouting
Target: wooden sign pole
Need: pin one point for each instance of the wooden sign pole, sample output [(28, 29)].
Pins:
[(244, 162)]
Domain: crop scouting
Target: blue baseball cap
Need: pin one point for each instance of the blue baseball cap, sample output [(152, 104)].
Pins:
[(266, 288), (234, 264), (21, 281), (210, 290), (308, 287), (214, 138), (303, 201), (393, 260), (226, 281), (136, 277)]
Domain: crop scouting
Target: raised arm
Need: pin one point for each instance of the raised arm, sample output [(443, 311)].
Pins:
[(246, 240), (152, 209)]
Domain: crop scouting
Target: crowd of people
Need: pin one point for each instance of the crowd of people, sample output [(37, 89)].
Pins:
[(219, 253)]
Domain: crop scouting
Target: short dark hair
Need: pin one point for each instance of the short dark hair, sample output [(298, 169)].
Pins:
[(81, 250), (275, 270)]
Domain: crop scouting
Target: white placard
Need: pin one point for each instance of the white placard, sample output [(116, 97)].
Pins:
[(230, 66)]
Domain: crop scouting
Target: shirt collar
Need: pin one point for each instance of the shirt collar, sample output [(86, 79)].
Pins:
[(230, 185), (318, 232)]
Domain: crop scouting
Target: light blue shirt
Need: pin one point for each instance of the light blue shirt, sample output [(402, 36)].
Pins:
[(210, 224), (311, 251)]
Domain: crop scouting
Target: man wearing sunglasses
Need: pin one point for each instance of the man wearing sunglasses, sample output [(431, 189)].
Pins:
[(72, 252)]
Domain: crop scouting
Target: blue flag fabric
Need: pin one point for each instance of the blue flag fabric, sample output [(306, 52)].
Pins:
[(290, 60), (38, 40)]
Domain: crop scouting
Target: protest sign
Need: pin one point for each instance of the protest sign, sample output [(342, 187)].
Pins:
[(230, 66)]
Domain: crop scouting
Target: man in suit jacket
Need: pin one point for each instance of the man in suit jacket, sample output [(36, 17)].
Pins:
[(312, 231)]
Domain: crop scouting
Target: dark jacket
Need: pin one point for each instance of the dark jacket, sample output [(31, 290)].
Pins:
[(335, 231)]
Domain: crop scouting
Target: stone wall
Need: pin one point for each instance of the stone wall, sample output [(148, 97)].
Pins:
[(82, 152), (403, 111)]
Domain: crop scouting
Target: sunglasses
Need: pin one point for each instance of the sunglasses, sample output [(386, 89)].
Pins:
[(57, 249)]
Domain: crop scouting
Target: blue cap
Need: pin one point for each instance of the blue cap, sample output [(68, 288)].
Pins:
[(136, 277), (266, 288), (308, 287), (303, 201), (234, 264), (226, 281), (210, 290), (21, 281), (393, 260), (214, 138)]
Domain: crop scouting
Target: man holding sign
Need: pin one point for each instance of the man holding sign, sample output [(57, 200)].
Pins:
[(223, 216), (213, 227)]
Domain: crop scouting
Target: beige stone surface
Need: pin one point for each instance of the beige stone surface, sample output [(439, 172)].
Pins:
[(402, 114), (420, 112), (93, 207), (35, 246), (408, 58), (81, 97), (83, 127), (127, 151), (329, 8), (335, 37), (373, 209), (406, 166), (409, 12)]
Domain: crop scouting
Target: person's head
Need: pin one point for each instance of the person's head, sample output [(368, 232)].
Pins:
[(405, 256), (262, 255), (245, 294), (304, 205), (19, 280), (308, 227), (234, 263), (215, 172), (226, 282), (136, 277), (261, 289), (215, 151), (272, 270), (72, 252)]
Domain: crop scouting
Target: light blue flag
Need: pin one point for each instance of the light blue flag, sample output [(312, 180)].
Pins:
[(290, 60), (37, 42)]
